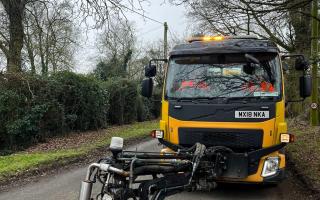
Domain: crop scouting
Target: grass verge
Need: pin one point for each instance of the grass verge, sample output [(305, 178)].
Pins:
[(23, 161), (304, 152)]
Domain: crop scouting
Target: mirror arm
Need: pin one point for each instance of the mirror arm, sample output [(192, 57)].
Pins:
[(156, 100), (292, 55), (295, 101)]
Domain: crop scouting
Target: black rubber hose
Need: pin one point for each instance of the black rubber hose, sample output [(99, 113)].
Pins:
[(157, 169)]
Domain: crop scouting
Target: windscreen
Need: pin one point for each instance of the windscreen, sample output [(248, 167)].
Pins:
[(231, 75)]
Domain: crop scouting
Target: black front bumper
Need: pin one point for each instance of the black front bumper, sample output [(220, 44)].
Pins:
[(239, 165), (242, 165), (275, 179)]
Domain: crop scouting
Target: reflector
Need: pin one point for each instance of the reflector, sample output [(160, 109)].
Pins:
[(286, 138)]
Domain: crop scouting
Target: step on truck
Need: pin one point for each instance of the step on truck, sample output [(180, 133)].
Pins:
[(222, 120)]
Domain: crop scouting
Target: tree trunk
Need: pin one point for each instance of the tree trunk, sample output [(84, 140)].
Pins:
[(31, 58), (302, 45), (29, 45), (44, 68), (47, 52), (15, 12), (54, 63)]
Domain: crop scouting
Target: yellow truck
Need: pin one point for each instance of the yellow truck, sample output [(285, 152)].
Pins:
[(228, 94), (223, 120)]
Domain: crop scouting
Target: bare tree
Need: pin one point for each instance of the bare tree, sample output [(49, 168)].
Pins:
[(49, 35), (144, 52), (117, 46), (100, 10), (117, 39), (150, 51), (104, 11), (286, 22)]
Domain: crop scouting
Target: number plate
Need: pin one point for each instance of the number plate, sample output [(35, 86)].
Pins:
[(252, 114)]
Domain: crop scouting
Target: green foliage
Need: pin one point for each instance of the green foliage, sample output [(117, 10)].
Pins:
[(106, 70), (156, 102), (291, 79), (114, 67), (33, 108), (123, 100), (292, 93), (144, 106), (85, 100)]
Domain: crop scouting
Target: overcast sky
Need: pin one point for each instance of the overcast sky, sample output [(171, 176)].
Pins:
[(148, 31)]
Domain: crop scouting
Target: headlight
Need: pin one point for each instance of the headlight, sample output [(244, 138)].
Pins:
[(270, 167)]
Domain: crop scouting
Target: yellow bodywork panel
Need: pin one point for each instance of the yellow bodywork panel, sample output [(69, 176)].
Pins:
[(272, 129)]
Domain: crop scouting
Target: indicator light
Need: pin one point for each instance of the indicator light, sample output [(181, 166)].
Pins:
[(157, 133), (286, 138)]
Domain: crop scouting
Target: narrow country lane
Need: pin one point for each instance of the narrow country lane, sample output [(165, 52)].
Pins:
[(65, 185)]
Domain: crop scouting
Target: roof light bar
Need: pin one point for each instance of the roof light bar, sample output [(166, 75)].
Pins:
[(219, 38), (206, 38)]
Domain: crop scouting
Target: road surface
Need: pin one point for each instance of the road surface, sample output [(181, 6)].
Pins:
[(65, 186)]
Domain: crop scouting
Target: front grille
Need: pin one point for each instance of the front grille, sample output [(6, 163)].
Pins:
[(237, 139)]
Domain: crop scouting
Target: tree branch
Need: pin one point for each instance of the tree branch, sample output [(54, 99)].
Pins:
[(266, 29), (4, 49)]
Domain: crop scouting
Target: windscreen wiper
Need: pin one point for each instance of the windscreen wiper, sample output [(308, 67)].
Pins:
[(181, 99), (198, 99), (209, 100), (245, 99)]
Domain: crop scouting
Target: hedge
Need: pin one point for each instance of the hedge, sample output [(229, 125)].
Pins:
[(33, 108), (123, 100)]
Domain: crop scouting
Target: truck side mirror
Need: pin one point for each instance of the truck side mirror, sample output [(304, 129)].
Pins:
[(147, 87), (150, 71), (301, 63), (305, 86)]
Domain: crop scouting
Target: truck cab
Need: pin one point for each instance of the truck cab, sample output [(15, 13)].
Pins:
[(228, 93)]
